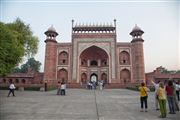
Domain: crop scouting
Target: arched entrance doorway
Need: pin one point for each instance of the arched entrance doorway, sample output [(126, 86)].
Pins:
[(125, 76), (92, 61), (62, 75), (94, 78)]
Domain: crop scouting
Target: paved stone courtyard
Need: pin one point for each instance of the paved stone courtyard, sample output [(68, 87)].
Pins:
[(78, 104)]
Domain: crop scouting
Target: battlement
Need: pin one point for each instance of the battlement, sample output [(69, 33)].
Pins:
[(94, 28)]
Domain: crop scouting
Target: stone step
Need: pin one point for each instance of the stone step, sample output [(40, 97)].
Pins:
[(107, 86)]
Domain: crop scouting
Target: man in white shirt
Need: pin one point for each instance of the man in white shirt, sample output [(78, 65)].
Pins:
[(11, 89), (156, 86)]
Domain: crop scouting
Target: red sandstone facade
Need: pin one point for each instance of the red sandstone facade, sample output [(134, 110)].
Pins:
[(23, 79), (94, 54), (157, 76)]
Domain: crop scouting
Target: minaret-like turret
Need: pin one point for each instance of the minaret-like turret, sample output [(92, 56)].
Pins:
[(138, 70), (50, 56)]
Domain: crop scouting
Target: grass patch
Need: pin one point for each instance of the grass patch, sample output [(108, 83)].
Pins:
[(34, 88), (51, 88), (6, 88)]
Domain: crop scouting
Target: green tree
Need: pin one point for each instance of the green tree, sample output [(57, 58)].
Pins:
[(178, 71), (16, 41), (31, 63), (170, 71)]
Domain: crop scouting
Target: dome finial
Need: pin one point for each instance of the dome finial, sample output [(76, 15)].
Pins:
[(51, 29)]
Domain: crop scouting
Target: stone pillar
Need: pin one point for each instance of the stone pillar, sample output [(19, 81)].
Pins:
[(99, 62), (88, 62)]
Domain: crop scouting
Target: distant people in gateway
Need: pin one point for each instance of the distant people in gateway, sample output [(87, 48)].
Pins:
[(101, 84)]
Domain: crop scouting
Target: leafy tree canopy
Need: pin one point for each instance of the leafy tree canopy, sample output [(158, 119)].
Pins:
[(30, 64), (170, 71), (16, 41)]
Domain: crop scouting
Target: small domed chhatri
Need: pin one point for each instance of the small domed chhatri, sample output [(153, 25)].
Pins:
[(51, 32), (136, 28), (52, 29), (136, 31)]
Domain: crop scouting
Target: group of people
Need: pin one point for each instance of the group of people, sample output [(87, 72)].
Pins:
[(93, 84), (163, 91)]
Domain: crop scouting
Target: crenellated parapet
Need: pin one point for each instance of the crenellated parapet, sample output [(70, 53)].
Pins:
[(93, 27)]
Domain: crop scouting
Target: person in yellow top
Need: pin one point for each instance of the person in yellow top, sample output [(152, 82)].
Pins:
[(143, 96), (162, 100)]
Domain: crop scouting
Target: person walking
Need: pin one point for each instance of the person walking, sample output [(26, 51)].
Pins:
[(58, 88), (11, 89), (143, 97), (170, 97), (162, 100), (101, 85), (63, 88), (156, 86)]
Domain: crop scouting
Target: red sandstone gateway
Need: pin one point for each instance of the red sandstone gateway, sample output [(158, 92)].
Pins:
[(94, 54)]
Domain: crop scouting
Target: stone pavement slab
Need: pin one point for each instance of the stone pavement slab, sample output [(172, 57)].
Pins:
[(78, 104)]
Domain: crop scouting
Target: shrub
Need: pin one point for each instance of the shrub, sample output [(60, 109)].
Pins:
[(6, 88), (32, 88), (51, 88)]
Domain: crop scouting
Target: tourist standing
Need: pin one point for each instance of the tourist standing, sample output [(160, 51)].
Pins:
[(162, 100), (170, 97), (63, 88), (156, 86), (11, 89), (58, 88), (177, 85), (143, 97), (101, 85), (176, 106)]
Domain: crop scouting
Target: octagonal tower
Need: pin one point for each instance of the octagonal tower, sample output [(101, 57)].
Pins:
[(138, 70), (50, 56)]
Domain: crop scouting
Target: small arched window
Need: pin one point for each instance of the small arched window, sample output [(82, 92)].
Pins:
[(23, 81), (124, 58), (63, 58), (94, 63), (4, 80), (17, 81)]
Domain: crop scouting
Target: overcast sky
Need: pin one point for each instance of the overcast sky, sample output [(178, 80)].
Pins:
[(159, 20)]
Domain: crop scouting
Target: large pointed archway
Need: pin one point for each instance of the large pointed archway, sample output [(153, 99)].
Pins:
[(94, 60), (62, 75), (125, 76)]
